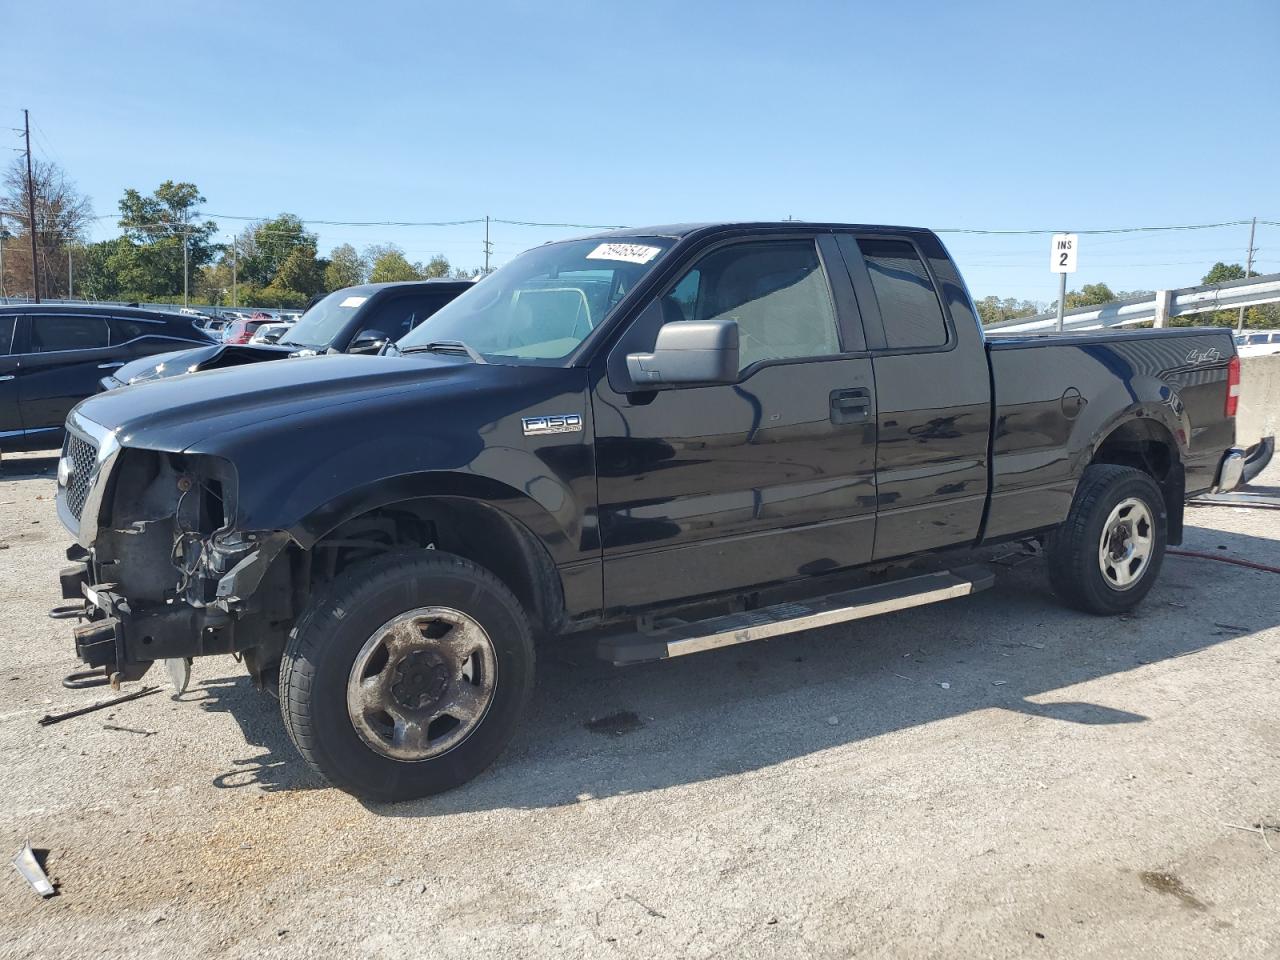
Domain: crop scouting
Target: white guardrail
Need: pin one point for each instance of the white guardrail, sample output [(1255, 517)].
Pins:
[(1155, 310)]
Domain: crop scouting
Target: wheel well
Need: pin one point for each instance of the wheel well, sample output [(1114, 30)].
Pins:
[(1147, 446), (468, 528)]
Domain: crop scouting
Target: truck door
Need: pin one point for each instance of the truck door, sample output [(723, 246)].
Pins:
[(716, 488), (933, 392)]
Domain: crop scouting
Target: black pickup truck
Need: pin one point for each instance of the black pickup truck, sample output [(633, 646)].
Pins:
[(676, 438)]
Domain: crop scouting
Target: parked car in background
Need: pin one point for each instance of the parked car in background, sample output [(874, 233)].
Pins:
[(242, 331), (361, 319), (212, 326), (52, 357), (1257, 343), (270, 332)]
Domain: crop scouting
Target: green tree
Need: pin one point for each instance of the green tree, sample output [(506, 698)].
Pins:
[(1265, 316), (389, 264), (346, 268), (437, 266), (149, 265), (301, 272), (1222, 272), (994, 310), (96, 275), (213, 283), (1090, 295), (273, 241)]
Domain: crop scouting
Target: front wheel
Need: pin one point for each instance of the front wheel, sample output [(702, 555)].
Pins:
[(1106, 555), (408, 676)]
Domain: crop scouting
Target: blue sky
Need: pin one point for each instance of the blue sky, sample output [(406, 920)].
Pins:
[(1018, 115)]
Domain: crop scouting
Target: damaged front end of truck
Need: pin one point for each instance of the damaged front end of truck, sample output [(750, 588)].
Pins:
[(159, 570)]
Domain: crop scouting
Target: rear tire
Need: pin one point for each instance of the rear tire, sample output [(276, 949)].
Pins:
[(408, 676), (1107, 554)]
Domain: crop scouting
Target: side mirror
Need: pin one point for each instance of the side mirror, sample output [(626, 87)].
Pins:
[(367, 341), (688, 354)]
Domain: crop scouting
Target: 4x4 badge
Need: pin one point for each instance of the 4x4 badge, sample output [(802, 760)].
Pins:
[(555, 423)]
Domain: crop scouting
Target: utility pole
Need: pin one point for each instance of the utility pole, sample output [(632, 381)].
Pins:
[(487, 245), (185, 269), (3, 296), (1248, 270), (70, 286), (31, 210), (234, 301)]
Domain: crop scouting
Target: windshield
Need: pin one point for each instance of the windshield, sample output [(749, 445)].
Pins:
[(325, 320), (543, 303)]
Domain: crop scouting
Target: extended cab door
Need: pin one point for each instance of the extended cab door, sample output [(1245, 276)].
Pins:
[(716, 488), (933, 390), (65, 355)]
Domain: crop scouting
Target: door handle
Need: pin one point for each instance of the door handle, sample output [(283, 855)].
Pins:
[(850, 406), (111, 366)]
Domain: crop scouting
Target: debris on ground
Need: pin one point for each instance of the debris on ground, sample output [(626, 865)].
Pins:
[(145, 733), (27, 863), (51, 718)]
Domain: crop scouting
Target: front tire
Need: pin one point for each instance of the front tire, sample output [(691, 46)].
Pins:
[(408, 676), (1107, 554)]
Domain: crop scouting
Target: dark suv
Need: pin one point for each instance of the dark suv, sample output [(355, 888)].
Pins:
[(360, 319), (52, 357)]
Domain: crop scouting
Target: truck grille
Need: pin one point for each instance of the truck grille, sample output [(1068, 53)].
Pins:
[(83, 456)]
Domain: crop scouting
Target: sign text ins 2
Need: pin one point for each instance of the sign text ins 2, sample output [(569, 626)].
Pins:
[(1062, 253)]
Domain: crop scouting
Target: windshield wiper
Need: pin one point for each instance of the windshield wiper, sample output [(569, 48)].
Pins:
[(456, 347)]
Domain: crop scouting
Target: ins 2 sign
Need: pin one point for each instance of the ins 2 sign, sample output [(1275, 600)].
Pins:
[(1062, 253)]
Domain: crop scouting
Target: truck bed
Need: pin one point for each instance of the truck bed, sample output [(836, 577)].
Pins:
[(1058, 396)]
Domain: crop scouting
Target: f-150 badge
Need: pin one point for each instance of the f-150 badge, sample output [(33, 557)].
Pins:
[(555, 423)]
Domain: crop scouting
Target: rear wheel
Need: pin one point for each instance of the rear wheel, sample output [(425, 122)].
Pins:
[(408, 676), (1106, 556)]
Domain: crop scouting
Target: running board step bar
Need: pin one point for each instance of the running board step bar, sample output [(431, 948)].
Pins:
[(675, 638)]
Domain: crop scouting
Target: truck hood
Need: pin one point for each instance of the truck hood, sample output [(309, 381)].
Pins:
[(213, 357), (175, 413)]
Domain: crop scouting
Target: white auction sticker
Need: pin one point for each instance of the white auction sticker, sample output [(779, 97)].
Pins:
[(353, 301), (626, 252)]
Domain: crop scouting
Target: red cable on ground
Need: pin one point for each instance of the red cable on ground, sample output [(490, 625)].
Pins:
[(1221, 559)]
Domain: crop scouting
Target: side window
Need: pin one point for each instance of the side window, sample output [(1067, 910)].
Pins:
[(6, 333), (775, 290), (122, 331), (909, 305), (50, 333)]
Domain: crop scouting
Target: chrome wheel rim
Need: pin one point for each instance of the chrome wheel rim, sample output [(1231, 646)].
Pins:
[(422, 683), (1128, 537)]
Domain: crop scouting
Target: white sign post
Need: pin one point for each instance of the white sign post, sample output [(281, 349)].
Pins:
[(1063, 249)]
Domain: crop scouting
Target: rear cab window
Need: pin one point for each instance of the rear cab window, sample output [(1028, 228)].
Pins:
[(7, 324), (909, 306)]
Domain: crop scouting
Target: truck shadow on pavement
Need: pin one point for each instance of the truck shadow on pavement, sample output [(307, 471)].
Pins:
[(597, 731), (28, 467)]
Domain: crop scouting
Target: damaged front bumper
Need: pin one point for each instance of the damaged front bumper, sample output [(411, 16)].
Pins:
[(124, 637)]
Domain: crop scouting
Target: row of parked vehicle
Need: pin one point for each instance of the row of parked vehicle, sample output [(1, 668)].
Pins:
[(53, 356)]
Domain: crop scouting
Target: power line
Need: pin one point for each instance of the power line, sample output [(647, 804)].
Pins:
[(1159, 229)]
